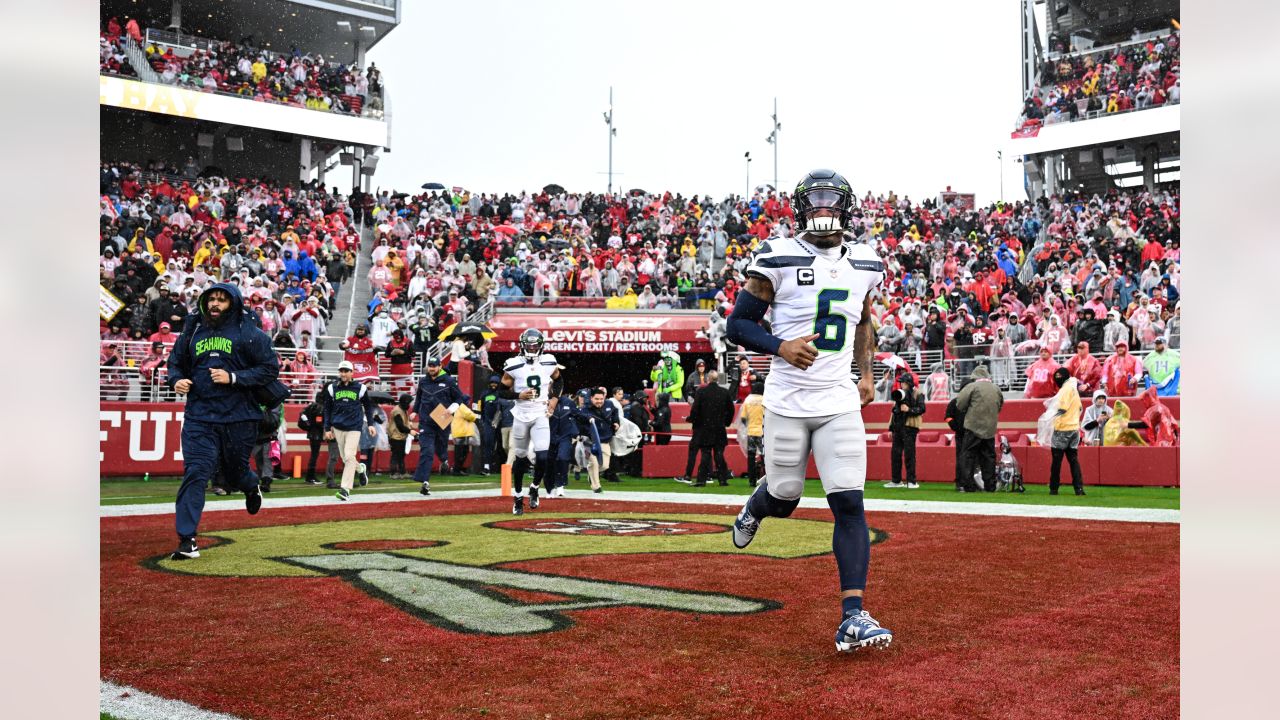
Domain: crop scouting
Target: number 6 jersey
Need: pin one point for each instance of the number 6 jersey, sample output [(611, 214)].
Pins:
[(815, 291), (534, 375)]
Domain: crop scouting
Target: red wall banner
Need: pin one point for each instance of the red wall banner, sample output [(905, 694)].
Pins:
[(137, 438)]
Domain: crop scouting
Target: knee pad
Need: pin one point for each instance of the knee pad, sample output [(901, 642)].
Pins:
[(846, 504), (786, 490)]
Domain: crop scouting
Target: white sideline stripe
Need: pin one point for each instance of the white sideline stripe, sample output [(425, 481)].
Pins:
[(1061, 512), (129, 703)]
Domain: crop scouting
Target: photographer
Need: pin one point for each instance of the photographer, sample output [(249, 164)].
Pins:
[(908, 406)]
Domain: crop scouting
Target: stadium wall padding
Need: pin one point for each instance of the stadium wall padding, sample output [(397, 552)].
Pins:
[(137, 438)]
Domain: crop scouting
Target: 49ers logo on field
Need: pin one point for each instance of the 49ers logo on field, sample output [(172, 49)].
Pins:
[(609, 526), (452, 570)]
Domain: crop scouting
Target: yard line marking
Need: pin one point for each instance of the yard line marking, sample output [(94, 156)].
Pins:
[(129, 703), (1060, 512)]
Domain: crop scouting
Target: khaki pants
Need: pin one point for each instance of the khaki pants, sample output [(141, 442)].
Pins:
[(607, 452), (593, 471), (349, 445)]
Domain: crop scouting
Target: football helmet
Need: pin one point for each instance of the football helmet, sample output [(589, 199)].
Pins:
[(823, 189), (530, 343)]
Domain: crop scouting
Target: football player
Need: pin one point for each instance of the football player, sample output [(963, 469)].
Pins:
[(532, 379), (818, 285)]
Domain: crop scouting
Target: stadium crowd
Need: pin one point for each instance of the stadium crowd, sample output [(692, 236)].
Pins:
[(1102, 269), (165, 238), (297, 78), (1141, 75)]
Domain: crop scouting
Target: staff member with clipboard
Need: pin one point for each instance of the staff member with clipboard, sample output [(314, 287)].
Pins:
[(435, 401)]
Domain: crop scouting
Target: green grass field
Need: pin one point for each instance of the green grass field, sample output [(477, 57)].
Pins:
[(132, 490)]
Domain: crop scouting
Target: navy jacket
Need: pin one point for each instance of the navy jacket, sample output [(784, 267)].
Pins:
[(439, 390), (606, 417), (347, 406), (236, 345)]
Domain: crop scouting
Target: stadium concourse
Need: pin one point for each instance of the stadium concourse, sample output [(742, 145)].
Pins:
[(297, 78), (1005, 279)]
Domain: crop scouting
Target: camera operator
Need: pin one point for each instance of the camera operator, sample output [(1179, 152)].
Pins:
[(908, 406)]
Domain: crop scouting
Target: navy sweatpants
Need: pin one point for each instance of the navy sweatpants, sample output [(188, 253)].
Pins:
[(205, 447), (432, 443)]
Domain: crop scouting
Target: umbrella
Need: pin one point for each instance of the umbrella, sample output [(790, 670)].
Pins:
[(381, 397), (637, 192), (433, 186), (552, 189), (507, 229), (468, 328), (890, 360)]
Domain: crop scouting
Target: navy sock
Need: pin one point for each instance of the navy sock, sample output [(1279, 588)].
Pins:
[(518, 469), (539, 469), (850, 540), (851, 605), (762, 505)]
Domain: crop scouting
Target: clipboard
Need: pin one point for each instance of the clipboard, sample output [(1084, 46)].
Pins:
[(441, 415)]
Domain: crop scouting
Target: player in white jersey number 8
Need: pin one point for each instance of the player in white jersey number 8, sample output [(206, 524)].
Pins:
[(816, 284)]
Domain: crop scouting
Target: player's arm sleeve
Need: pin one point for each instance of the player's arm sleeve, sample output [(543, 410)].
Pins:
[(744, 325), (506, 389)]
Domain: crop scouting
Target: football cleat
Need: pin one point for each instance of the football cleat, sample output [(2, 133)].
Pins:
[(745, 525), (426, 488), (533, 497), (861, 630), (343, 494), (187, 550), (518, 507), (253, 501)]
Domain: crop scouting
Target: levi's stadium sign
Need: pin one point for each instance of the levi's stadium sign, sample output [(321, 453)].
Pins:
[(606, 332)]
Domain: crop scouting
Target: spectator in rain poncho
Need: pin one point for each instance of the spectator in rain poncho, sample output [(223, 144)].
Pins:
[(1162, 429), (1095, 418), (1040, 376), (1001, 359), (1121, 372), (937, 386)]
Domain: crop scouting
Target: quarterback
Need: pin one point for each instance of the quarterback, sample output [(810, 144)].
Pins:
[(532, 379), (819, 286)]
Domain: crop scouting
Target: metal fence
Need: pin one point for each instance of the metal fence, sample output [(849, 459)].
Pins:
[(1009, 373)]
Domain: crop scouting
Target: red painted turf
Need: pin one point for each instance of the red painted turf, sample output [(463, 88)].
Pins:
[(993, 618)]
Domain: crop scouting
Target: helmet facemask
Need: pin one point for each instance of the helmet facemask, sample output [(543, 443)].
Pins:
[(824, 198)]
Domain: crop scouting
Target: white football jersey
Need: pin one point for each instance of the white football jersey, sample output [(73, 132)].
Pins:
[(534, 375), (815, 294)]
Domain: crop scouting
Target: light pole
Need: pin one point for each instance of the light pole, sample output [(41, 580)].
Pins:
[(747, 155), (1000, 160), (608, 119), (773, 140)]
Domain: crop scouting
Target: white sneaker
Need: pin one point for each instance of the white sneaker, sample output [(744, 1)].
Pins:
[(892, 484), (913, 486), (560, 491)]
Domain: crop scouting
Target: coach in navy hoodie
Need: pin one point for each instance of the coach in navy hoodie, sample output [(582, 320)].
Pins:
[(219, 360)]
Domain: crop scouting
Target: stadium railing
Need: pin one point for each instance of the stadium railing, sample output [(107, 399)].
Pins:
[(1009, 373)]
